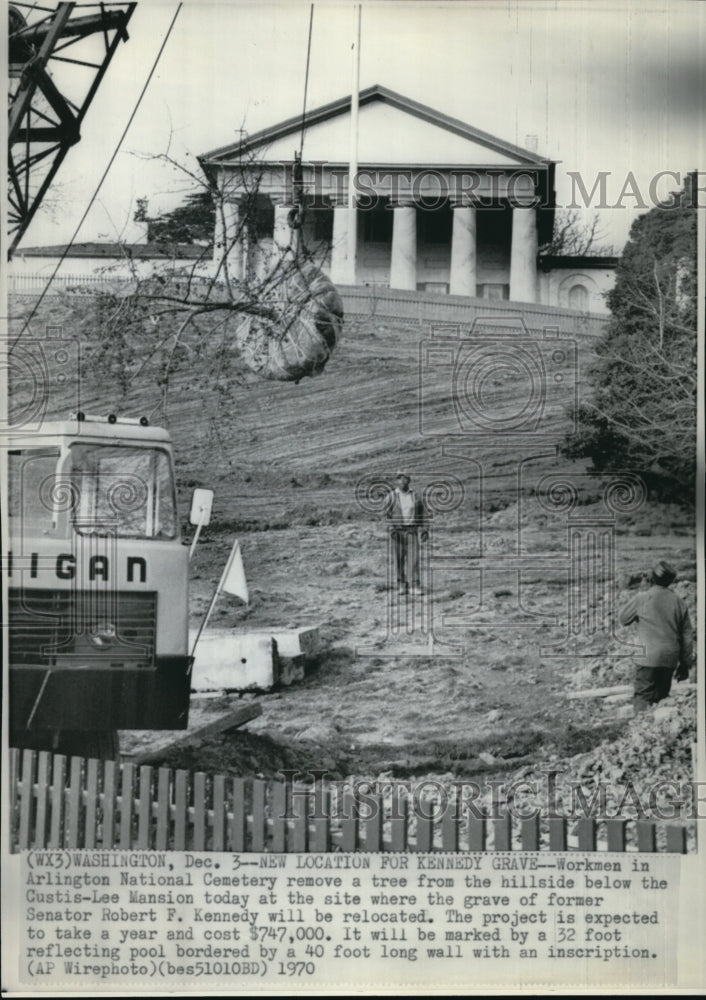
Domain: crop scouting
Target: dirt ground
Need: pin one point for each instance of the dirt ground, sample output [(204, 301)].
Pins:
[(497, 710), (290, 465)]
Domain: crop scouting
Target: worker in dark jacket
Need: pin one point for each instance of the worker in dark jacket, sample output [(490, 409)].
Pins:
[(664, 631), (408, 523)]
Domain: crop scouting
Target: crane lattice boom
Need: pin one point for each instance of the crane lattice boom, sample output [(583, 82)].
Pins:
[(44, 121)]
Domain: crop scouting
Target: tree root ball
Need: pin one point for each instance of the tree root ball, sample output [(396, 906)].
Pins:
[(299, 342)]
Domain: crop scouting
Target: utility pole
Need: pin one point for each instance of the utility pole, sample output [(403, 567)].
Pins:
[(353, 159)]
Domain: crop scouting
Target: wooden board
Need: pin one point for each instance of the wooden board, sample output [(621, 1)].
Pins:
[(226, 724)]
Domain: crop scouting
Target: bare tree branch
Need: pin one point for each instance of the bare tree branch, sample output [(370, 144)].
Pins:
[(575, 238), (272, 306)]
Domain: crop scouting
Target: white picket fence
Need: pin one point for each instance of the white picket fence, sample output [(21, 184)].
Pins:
[(34, 284)]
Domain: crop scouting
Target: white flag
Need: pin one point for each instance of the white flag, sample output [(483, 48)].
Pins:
[(233, 580)]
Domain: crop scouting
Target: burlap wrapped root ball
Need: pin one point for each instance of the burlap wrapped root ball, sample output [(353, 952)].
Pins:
[(300, 340)]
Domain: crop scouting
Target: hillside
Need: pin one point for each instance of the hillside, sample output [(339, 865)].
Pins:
[(285, 462)]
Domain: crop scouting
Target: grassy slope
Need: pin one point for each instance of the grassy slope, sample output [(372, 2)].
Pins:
[(284, 461)]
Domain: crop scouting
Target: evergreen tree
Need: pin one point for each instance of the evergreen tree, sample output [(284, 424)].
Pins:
[(191, 222), (641, 414)]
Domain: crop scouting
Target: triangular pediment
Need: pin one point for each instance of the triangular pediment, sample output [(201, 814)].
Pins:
[(392, 129)]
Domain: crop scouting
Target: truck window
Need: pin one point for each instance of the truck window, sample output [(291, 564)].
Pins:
[(32, 497), (125, 491)]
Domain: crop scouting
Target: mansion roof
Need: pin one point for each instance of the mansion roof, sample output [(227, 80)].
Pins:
[(476, 147)]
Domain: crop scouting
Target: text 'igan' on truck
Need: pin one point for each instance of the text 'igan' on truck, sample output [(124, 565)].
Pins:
[(97, 586)]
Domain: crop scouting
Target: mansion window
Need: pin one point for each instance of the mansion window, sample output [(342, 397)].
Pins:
[(578, 297), (261, 217), (494, 291)]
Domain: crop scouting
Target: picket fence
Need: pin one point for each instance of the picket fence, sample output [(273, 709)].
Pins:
[(23, 283), (60, 802)]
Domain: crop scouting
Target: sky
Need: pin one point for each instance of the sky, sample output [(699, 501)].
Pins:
[(617, 87)]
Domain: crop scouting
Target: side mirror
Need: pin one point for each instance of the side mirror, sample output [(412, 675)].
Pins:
[(201, 504)]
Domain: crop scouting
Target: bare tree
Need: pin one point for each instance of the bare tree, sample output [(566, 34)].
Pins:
[(265, 303), (575, 237)]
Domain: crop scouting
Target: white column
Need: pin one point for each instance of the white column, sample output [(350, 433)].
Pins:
[(352, 252), (229, 240), (218, 236), (283, 236), (523, 255), (403, 265), (462, 279), (342, 269)]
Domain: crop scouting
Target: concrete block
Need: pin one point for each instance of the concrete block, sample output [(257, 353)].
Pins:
[(294, 642), (225, 661), (241, 659)]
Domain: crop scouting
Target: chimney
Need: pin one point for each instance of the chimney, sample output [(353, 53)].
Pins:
[(531, 143)]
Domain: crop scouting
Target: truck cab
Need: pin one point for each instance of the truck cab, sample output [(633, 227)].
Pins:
[(97, 585)]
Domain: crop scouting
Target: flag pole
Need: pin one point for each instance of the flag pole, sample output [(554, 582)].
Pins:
[(199, 526), (213, 600), (353, 164)]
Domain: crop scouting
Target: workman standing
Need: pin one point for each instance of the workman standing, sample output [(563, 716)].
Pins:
[(408, 528), (664, 631)]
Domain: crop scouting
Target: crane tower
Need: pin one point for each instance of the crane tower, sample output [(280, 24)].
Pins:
[(57, 60)]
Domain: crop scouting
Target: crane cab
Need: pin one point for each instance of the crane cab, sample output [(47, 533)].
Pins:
[(97, 582)]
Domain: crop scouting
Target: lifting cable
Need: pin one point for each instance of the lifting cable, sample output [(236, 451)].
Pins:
[(105, 174), (306, 81), (296, 216)]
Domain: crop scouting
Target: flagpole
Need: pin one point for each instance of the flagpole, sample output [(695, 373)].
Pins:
[(199, 526), (213, 600), (353, 165)]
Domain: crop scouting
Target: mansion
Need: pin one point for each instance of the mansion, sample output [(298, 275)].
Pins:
[(439, 206)]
